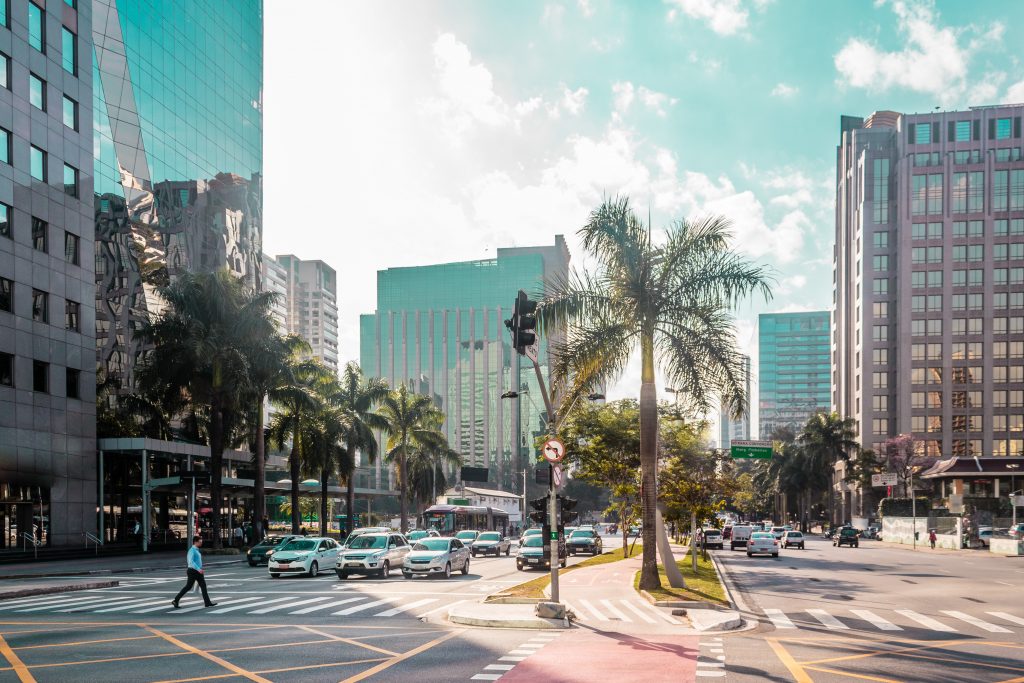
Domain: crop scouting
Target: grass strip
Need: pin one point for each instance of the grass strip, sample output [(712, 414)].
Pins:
[(535, 588), (704, 585)]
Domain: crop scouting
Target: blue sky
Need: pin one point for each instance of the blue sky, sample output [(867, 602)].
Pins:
[(403, 133)]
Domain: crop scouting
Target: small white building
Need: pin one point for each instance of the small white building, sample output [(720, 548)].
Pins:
[(492, 498)]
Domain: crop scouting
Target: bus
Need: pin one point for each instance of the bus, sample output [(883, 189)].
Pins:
[(448, 520)]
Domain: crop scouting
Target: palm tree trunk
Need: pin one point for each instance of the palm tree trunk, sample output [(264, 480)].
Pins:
[(350, 494), (324, 522), (216, 462), (293, 471), (403, 488), (649, 463), (259, 494)]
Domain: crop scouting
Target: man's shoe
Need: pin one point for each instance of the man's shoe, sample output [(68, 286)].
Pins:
[(211, 604), (176, 605)]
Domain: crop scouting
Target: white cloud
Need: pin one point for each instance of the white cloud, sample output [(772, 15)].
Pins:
[(586, 9), (933, 59), (573, 101), (1015, 94), (624, 94), (784, 90), (706, 64), (656, 101), (724, 17), (552, 16)]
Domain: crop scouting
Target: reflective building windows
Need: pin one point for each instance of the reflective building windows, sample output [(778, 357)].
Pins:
[(36, 27), (70, 181), (71, 248), (5, 146), (70, 113), (69, 51), (40, 240), (5, 70), (37, 163), (6, 295), (72, 378), (5, 221), (37, 92), (40, 377)]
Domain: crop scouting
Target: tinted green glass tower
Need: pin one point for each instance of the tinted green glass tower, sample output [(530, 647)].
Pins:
[(440, 330), (794, 373)]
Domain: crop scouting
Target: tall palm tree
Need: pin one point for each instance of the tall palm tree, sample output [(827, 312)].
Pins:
[(671, 298), (410, 426), (359, 396), (428, 457), (826, 439), (199, 350), (325, 452)]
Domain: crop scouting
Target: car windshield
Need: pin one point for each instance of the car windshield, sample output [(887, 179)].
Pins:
[(490, 536), (531, 532), (466, 534), (712, 532), (272, 540), (582, 534), (778, 528), (534, 542), (761, 534), (434, 544), (367, 541), (299, 545), (416, 535)]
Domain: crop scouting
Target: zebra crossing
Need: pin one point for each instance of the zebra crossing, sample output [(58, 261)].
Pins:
[(628, 611), (299, 604), (946, 621)]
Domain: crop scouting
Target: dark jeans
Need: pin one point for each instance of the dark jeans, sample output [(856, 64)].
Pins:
[(194, 577)]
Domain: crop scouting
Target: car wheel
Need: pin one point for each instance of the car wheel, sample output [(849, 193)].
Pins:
[(750, 554), (775, 554), (314, 569), (508, 550), (275, 576), (343, 575), (407, 575), (253, 564), (448, 570), (385, 570), (473, 553), (465, 567), (519, 566), (801, 546)]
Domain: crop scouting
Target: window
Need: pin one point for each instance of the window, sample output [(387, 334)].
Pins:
[(1000, 252), (922, 134), (880, 286), (71, 316), (40, 235), (880, 356), (880, 426), (1003, 129), (1004, 154), (73, 4), (976, 277), (959, 302), (37, 163), (880, 333), (917, 279), (881, 239), (959, 326), (880, 262), (917, 304), (976, 229), (5, 13), (5, 146), (6, 370), (5, 217), (5, 68), (71, 248), (1000, 190), (880, 380), (935, 231), (71, 382), (935, 277), (880, 187), (935, 193), (975, 192), (919, 255), (1017, 193), (6, 295), (40, 306), (999, 374), (935, 328), (935, 303), (37, 92), (880, 309), (974, 325), (70, 113), (36, 27), (959, 278), (926, 159), (880, 403), (959, 193), (918, 351), (967, 156), (70, 181), (40, 376), (962, 131), (69, 51)]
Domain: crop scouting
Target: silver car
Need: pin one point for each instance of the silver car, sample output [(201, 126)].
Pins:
[(373, 553), (491, 542), (356, 533), (436, 556)]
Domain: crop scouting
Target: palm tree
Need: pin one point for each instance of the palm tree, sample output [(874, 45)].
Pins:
[(325, 454), (426, 460), (827, 438), (358, 396), (199, 350), (410, 426), (672, 299)]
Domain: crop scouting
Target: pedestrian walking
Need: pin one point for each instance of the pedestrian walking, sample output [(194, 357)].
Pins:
[(932, 538), (195, 573)]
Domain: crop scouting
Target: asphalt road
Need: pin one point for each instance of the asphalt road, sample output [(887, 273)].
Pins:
[(262, 629), (877, 613)]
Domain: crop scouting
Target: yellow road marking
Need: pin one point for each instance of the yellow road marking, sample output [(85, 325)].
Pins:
[(105, 660), (799, 675), (205, 655), (84, 642), (923, 645), (274, 671), (852, 675), (400, 658), (349, 641), (19, 667)]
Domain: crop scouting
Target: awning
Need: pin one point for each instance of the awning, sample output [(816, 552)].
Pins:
[(975, 468)]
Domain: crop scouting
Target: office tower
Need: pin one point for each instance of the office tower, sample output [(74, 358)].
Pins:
[(312, 305), (275, 280), (439, 329), (47, 335), (793, 369), (730, 428)]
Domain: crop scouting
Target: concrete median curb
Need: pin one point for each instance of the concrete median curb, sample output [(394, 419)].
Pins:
[(491, 615), (62, 588)]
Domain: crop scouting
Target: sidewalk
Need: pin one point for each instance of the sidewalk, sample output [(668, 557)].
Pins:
[(100, 566)]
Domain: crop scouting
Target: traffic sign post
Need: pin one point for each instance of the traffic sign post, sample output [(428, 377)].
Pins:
[(885, 479), (751, 449), (553, 451)]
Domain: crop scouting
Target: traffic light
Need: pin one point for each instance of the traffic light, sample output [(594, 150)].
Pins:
[(540, 510), (566, 506), (523, 323)]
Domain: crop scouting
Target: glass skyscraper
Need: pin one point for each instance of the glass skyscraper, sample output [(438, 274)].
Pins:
[(440, 330), (794, 372)]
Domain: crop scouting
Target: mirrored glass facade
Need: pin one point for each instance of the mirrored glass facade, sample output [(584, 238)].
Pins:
[(794, 373), (439, 329)]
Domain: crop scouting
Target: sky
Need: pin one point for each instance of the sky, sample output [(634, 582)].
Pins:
[(410, 133)]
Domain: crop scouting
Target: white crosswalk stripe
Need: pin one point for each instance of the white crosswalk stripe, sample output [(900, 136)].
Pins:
[(778, 618), (875, 620), (637, 611), (1008, 617), (289, 605), (974, 621), (927, 622), (614, 611), (236, 608), (336, 603), (405, 608), (360, 608), (593, 610), (135, 605), (42, 600), (101, 603), (56, 605), (829, 621)]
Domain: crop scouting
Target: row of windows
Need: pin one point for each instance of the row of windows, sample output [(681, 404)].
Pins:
[(37, 38), (39, 163), (40, 376), (963, 131), (41, 236), (965, 156), (41, 306), (970, 229)]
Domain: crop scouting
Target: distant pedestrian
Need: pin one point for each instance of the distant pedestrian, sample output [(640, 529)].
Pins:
[(932, 538), (302, 531), (195, 573)]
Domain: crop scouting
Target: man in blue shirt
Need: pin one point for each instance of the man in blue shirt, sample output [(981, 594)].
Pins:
[(195, 573)]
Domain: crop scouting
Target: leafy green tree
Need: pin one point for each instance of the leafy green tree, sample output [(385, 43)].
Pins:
[(693, 479), (669, 297), (199, 354), (428, 458), (826, 439)]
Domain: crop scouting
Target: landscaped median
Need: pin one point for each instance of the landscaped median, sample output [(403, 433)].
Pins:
[(704, 598), (535, 590)]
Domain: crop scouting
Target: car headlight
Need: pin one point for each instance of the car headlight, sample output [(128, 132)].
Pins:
[(270, 552)]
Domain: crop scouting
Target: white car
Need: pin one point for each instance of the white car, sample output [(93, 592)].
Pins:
[(373, 554), (304, 556), (436, 556), (778, 531), (740, 535), (762, 543), (356, 533)]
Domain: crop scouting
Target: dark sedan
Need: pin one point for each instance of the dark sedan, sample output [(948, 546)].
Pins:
[(584, 541), (261, 552)]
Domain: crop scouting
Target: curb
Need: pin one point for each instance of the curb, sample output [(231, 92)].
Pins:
[(535, 624), (108, 572), (689, 604), (48, 590)]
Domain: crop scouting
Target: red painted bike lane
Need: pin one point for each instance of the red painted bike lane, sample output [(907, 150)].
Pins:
[(588, 655)]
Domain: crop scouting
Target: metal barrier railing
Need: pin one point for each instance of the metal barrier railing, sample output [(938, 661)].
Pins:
[(29, 538), (97, 542)]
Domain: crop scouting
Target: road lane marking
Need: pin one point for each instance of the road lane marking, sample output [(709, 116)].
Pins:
[(1008, 617), (875, 620), (41, 599), (314, 608), (829, 621), (593, 610), (360, 608), (102, 602), (405, 608), (252, 601), (58, 603), (974, 621), (486, 677), (615, 612), (134, 604), (499, 667), (289, 605), (510, 658), (373, 671), (349, 641), (235, 608), (779, 618), (19, 667), (206, 655), (799, 675), (927, 622)]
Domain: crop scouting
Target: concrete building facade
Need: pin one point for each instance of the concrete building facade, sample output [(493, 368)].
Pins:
[(275, 279), (730, 428), (311, 303)]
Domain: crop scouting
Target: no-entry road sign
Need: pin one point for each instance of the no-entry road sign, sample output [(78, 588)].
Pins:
[(554, 450), (751, 449)]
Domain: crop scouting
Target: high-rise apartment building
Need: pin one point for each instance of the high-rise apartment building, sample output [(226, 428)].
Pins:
[(47, 335), (793, 368), (730, 428), (928, 335), (311, 304), (440, 330), (275, 280)]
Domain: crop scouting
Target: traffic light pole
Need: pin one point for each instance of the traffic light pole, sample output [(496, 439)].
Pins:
[(553, 541)]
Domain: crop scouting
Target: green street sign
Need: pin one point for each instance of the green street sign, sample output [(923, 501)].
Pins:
[(752, 449)]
